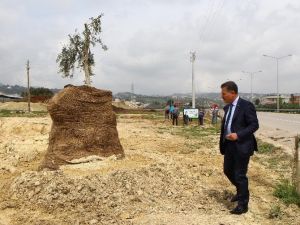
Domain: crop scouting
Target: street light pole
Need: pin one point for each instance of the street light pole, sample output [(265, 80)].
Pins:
[(277, 59), (251, 77), (193, 58)]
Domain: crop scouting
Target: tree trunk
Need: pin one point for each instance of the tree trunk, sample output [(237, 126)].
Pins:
[(86, 57), (87, 73)]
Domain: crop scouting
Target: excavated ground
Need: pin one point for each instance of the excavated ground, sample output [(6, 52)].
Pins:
[(170, 175)]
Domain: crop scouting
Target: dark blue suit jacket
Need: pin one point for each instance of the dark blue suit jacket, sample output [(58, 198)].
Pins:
[(244, 123)]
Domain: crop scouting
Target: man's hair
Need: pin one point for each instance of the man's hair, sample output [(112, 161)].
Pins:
[(230, 86)]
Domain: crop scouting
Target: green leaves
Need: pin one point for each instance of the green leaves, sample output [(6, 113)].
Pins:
[(65, 59), (78, 50)]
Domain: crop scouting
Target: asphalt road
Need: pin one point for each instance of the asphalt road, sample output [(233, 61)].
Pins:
[(282, 121)]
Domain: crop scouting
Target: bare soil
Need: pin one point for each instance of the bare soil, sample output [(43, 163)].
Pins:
[(170, 175), (22, 106)]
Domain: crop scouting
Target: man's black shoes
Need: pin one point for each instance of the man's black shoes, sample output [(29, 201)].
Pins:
[(239, 210), (234, 198)]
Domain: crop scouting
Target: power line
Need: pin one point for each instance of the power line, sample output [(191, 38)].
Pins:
[(211, 18), (208, 18), (215, 16)]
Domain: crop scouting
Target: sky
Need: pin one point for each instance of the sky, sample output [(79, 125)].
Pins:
[(149, 43)]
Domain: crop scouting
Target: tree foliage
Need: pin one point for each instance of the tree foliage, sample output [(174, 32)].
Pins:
[(78, 50), (40, 91)]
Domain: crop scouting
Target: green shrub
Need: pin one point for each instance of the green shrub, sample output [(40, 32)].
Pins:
[(287, 193)]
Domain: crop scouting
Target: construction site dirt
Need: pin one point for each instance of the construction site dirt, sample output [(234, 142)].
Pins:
[(169, 175)]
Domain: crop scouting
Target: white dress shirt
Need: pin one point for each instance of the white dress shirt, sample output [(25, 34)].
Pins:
[(234, 103)]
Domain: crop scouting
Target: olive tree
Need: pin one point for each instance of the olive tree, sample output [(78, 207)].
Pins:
[(78, 50)]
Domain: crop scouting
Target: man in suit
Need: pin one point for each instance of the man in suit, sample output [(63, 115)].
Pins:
[(237, 142)]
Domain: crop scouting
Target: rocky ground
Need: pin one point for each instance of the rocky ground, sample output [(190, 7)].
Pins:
[(170, 175)]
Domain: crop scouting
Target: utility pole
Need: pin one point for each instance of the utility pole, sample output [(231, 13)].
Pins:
[(193, 58), (28, 86), (132, 92)]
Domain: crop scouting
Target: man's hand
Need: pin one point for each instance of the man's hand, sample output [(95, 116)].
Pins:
[(232, 137)]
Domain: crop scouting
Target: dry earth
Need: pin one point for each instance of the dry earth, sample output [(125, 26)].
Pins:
[(170, 175), (22, 106)]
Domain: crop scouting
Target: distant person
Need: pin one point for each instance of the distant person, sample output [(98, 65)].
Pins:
[(214, 117), (167, 112), (175, 115), (201, 117), (237, 142), (171, 110)]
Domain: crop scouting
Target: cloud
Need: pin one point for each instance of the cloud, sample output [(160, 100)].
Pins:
[(149, 43)]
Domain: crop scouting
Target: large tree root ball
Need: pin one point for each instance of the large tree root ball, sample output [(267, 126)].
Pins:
[(84, 124)]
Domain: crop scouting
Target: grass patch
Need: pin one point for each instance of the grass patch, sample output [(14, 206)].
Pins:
[(275, 212), (152, 117), (5, 113), (164, 128), (140, 112), (279, 162), (273, 158), (192, 132), (265, 148), (186, 151), (209, 143), (16, 113), (287, 193), (194, 146), (141, 116)]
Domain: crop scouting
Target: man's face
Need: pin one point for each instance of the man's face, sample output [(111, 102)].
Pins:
[(228, 96)]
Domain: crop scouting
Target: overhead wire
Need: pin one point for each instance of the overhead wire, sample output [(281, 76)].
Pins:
[(214, 10), (208, 18), (215, 16)]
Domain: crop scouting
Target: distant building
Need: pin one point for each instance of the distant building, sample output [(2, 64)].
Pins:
[(294, 99), (5, 97), (269, 100)]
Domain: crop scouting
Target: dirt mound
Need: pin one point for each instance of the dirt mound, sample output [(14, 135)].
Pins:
[(84, 124), (118, 109), (119, 195), (122, 105)]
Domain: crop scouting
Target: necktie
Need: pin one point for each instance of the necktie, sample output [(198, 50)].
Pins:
[(228, 118)]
